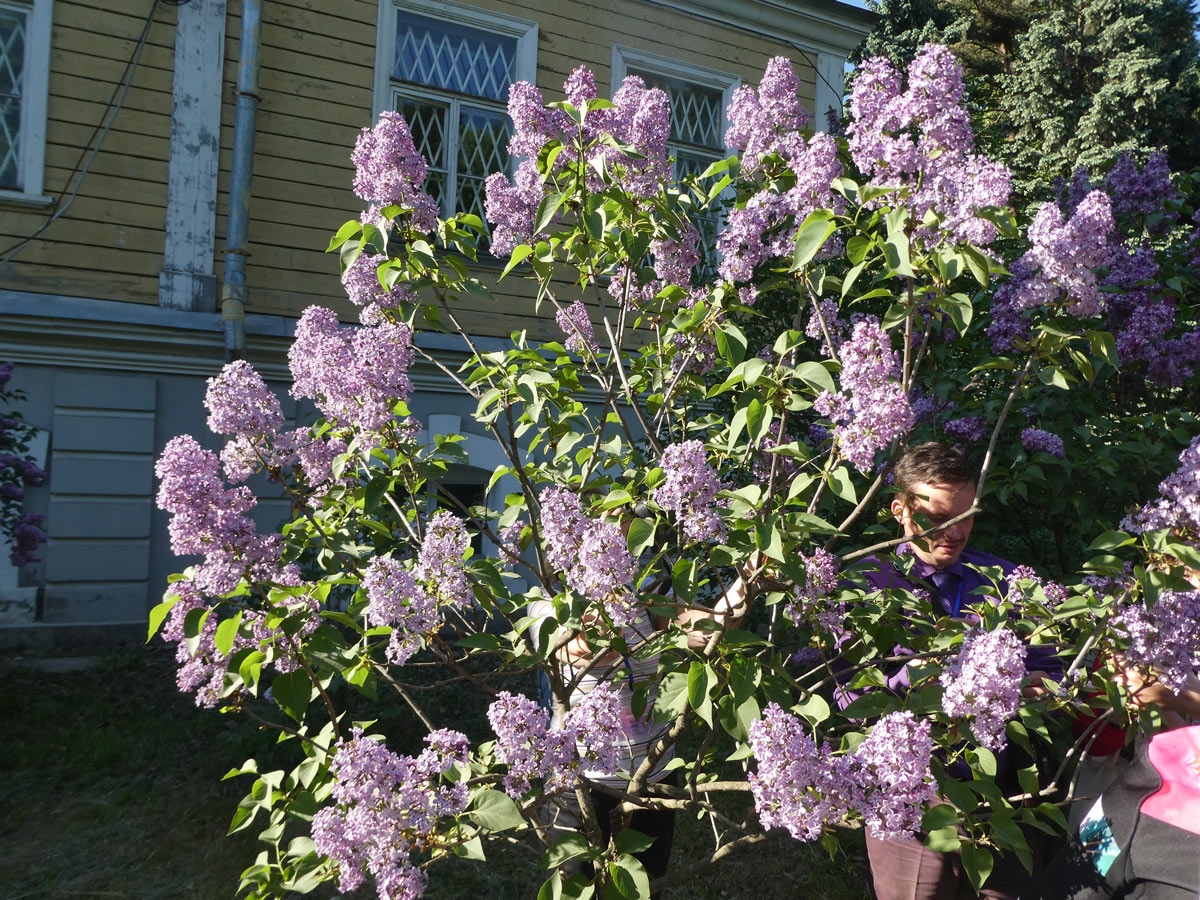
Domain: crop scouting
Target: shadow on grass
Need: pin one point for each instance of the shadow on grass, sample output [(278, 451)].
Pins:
[(114, 791)]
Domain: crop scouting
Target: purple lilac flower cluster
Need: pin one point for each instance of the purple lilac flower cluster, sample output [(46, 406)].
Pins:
[(769, 122), (1023, 579), (968, 429), (1141, 193), (1061, 264), (1165, 637), (1178, 504), (361, 281), (802, 786), (921, 140), (386, 807), (675, 258), (689, 489), (21, 529), (639, 118), (577, 325), (592, 555), (590, 736), (871, 411), (396, 600), (209, 520), (813, 600), (390, 172), (440, 560), (764, 460), (827, 319), (983, 683), (354, 375), (1035, 440)]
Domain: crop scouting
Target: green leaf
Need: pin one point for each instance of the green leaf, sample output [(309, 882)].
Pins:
[(293, 691), (641, 535), (842, 484), (978, 863), (628, 879), (871, 705), (816, 376), (701, 680), (159, 613), (978, 264), (815, 709), (938, 816), (571, 845), (519, 253), (672, 696), (1111, 540), (813, 233), (731, 343), (630, 841), (344, 234), (943, 840), (472, 849), (1054, 375), (226, 632), (495, 811), (548, 210)]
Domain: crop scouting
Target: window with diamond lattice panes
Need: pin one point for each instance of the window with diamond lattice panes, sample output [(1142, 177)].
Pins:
[(450, 82), (12, 64), (697, 141)]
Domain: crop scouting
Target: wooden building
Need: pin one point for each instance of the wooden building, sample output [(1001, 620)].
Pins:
[(116, 156)]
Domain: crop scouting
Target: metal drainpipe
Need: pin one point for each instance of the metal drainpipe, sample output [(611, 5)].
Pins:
[(233, 287)]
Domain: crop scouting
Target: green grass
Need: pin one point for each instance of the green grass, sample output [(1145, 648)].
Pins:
[(114, 791)]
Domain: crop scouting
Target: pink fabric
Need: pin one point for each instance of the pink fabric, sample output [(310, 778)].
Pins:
[(1176, 757)]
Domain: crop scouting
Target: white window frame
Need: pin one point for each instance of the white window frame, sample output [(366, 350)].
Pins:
[(35, 95), (386, 90), (626, 58)]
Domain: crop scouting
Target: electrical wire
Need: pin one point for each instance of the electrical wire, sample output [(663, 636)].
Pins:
[(115, 102)]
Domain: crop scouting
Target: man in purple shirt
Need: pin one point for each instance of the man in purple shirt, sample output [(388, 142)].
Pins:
[(936, 484)]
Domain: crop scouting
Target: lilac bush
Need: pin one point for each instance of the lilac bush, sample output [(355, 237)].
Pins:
[(677, 537), (21, 530)]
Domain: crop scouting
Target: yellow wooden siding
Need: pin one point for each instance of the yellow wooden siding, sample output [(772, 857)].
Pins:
[(316, 79), (109, 244)]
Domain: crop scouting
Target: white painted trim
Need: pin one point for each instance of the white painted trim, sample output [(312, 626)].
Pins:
[(831, 86), (187, 280), (624, 58), (524, 30), (35, 96)]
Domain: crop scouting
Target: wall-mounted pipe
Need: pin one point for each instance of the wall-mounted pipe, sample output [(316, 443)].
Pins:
[(233, 285)]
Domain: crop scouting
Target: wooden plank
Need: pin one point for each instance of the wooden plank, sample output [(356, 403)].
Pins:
[(352, 22), (100, 184), (120, 23), (138, 98), (61, 279), (75, 43)]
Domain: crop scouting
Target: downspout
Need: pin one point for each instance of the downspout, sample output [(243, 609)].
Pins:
[(233, 286)]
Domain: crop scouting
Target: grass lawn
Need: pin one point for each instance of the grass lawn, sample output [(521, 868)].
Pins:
[(114, 792)]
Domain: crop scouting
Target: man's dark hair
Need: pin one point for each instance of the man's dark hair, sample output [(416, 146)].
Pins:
[(933, 463)]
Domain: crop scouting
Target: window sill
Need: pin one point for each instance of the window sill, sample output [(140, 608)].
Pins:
[(32, 201)]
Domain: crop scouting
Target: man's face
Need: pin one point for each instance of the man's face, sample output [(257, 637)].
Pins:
[(939, 503)]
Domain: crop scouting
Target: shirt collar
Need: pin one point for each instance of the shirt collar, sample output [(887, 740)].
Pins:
[(924, 570)]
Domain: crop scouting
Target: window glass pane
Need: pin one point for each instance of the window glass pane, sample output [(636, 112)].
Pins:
[(482, 149), (455, 57), (12, 62), (428, 123), (696, 111)]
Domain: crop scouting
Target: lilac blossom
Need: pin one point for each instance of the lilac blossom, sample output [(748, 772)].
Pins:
[(511, 207), (533, 124), (813, 600), (968, 429), (894, 767), (765, 461), (1035, 440), (799, 785), (26, 536), (208, 519), (675, 258), (1165, 637), (762, 120), (871, 411), (1061, 264), (240, 403), (592, 555), (1023, 578), (385, 808), (354, 375), (396, 600), (920, 141), (361, 281), (390, 172), (440, 559), (689, 489), (826, 319), (983, 683), (530, 747), (595, 721), (1140, 193), (577, 325), (1178, 504)]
